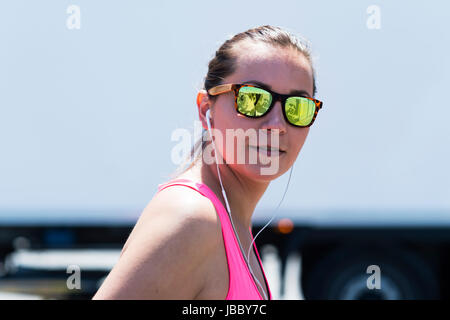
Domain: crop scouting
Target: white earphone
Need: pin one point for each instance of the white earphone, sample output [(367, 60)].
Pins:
[(208, 121)]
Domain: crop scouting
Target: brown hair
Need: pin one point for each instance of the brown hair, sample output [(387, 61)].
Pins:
[(223, 64)]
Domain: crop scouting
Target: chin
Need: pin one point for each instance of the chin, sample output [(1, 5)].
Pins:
[(260, 166), (260, 172)]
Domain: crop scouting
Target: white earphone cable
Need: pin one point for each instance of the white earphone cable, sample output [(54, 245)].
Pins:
[(228, 206), (246, 258), (276, 210)]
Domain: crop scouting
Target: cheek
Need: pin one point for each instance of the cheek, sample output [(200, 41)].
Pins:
[(224, 111), (228, 124)]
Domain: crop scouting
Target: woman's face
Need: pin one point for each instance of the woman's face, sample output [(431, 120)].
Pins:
[(282, 70)]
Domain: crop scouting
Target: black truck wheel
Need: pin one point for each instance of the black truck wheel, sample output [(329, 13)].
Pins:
[(342, 275)]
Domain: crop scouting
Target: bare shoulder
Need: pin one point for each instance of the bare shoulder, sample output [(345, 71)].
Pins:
[(166, 254), (183, 208)]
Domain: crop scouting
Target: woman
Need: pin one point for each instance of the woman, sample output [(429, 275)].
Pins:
[(193, 239)]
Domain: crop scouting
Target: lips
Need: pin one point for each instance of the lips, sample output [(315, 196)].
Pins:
[(268, 149)]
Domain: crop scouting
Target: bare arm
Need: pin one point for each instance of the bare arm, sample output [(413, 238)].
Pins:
[(167, 251)]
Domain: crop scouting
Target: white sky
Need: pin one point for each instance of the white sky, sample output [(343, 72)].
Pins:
[(86, 115)]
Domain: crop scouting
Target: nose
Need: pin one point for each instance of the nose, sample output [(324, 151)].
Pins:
[(274, 120)]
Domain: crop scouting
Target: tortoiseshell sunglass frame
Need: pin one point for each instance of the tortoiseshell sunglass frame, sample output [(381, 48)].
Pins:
[(235, 87)]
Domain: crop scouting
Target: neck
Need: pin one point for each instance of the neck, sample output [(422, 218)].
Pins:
[(242, 193)]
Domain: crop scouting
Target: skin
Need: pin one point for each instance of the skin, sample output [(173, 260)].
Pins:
[(189, 228)]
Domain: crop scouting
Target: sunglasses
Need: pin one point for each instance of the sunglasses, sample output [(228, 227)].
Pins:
[(254, 102)]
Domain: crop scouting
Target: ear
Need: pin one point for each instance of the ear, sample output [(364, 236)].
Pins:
[(203, 104)]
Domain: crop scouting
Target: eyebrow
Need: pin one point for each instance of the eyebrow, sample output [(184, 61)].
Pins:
[(266, 86)]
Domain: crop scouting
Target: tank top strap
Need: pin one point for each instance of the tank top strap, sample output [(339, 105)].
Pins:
[(241, 284)]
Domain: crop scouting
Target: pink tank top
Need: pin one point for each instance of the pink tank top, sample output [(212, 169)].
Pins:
[(241, 285)]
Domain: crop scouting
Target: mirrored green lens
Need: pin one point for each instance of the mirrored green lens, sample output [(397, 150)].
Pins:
[(253, 102), (300, 110)]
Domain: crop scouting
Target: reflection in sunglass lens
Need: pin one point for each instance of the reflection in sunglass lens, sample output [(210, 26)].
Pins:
[(253, 102), (300, 110)]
